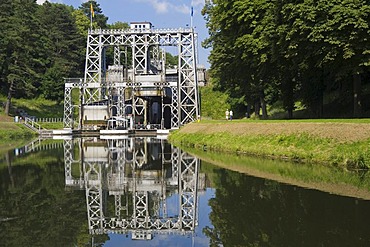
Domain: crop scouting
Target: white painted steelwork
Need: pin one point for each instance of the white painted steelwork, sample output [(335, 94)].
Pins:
[(127, 90)]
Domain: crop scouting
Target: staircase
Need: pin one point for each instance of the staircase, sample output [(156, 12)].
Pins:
[(29, 123)]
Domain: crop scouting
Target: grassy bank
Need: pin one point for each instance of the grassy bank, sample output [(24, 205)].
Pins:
[(39, 107), (12, 134), (341, 143), (328, 179)]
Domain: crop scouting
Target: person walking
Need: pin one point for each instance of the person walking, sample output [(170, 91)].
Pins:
[(231, 115), (227, 114)]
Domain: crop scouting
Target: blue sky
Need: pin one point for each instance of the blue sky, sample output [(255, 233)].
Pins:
[(161, 13)]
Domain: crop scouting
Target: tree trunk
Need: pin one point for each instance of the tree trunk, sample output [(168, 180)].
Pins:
[(290, 113), (263, 106), (319, 107), (357, 95), (9, 98), (288, 97), (257, 107), (248, 115), (320, 95)]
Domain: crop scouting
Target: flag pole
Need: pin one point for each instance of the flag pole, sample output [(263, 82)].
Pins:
[(191, 16), (91, 15)]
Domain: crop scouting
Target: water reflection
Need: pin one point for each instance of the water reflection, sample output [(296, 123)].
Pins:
[(79, 192), (138, 185)]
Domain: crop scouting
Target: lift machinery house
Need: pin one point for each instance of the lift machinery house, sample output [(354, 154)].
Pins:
[(138, 91)]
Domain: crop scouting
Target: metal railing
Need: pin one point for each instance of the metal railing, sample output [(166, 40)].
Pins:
[(49, 120), (30, 123)]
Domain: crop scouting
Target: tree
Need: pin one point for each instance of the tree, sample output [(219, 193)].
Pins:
[(288, 51), (65, 46), (23, 60), (98, 17), (119, 25), (82, 22)]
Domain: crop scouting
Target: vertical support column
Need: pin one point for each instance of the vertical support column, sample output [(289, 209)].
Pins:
[(121, 101), (175, 108), (188, 86), (155, 58), (117, 56), (68, 107), (140, 54), (163, 63), (93, 67)]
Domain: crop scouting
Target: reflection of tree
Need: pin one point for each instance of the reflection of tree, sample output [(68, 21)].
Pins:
[(248, 211), (37, 209)]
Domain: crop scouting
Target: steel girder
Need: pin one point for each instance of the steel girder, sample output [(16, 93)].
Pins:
[(68, 107), (185, 108)]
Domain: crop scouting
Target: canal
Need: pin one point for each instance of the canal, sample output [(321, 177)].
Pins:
[(143, 191)]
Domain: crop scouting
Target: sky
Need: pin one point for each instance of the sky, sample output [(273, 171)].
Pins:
[(161, 13)]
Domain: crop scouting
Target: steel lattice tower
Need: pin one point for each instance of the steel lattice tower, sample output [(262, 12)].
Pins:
[(124, 92)]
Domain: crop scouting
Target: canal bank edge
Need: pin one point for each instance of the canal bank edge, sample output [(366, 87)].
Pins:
[(339, 144), (13, 134)]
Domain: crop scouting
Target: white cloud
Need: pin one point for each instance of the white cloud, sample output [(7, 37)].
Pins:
[(160, 6), (40, 2), (165, 6), (181, 8), (198, 3)]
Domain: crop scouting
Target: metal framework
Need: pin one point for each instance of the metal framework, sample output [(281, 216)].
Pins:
[(147, 60), (140, 191)]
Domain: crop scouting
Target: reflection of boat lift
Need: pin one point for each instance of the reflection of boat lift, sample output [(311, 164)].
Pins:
[(140, 183)]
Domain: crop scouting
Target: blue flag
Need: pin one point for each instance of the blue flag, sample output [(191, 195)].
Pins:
[(192, 11)]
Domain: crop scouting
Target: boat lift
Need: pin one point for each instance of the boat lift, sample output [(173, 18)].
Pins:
[(138, 91)]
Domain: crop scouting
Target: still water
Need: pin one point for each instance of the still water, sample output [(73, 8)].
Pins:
[(146, 192)]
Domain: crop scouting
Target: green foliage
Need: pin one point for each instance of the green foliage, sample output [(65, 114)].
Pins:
[(311, 175), (22, 49), (119, 25), (35, 196), (288, 51), (10, 132), (255, 211), (99, 17), (64, 49), (40, 107), (171, 61), (40, 45), (213, 103), (82, 22)]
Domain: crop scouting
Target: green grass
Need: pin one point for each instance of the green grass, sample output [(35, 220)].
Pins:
[(50, 126), (302, 147), (11, 131), (39, 107), (244, 120), (13, 135), (310, 175)]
